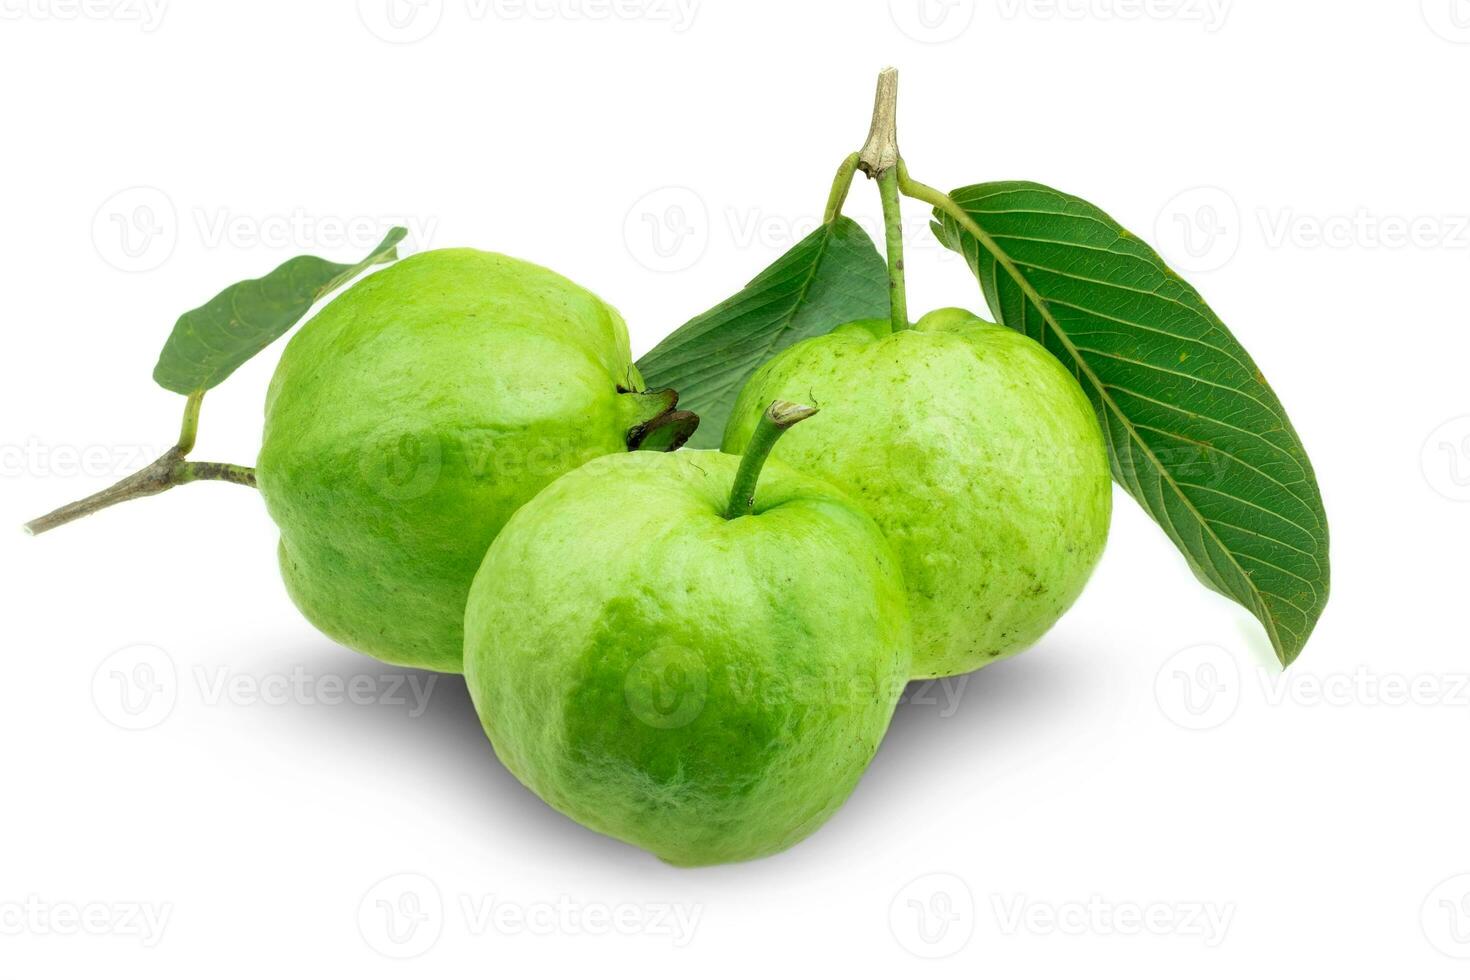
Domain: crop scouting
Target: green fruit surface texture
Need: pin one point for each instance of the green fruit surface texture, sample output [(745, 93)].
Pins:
[(410, 418), (707, 689), (978, 455)]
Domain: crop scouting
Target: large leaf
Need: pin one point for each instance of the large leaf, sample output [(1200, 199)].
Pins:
[(831, 277), (1195, 433), (209, 343)]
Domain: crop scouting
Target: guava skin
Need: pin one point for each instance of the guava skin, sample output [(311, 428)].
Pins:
[(410, 418), (709, 690), (975, 451)]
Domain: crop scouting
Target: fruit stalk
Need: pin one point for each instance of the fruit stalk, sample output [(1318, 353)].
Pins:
[(893, 225), (170, 470), (779, 417), (880, 160)]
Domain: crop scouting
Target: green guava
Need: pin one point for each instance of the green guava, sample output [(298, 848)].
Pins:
[(978, 455), (707, 688), (410, 418)]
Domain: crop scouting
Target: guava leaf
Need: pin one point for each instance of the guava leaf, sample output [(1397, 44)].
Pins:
[(209, 343), (1194, 432), (831, 277)]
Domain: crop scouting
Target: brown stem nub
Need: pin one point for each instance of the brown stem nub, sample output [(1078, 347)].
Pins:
[(880, 153), (666, 433), (661, 425)]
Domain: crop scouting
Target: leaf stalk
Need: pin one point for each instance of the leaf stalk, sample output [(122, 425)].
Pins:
[(841, 184)]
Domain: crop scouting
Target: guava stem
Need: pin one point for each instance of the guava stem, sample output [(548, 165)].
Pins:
[(164, 473), (898, 301), (224, 472), (779, 417), (880, 160), (168, 471)]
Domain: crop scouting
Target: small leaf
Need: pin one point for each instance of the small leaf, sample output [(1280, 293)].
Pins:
[(1194, 432), (831, 277), (209, 343)]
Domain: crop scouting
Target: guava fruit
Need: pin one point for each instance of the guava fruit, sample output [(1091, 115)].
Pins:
[(705, 686), (410, 418), (975, 451)]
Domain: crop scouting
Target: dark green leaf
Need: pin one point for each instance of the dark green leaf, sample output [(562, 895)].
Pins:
[(209, 343), (831, 277), (1195, 433)]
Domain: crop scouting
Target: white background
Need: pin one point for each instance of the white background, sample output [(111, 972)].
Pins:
[(1147, 762)]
